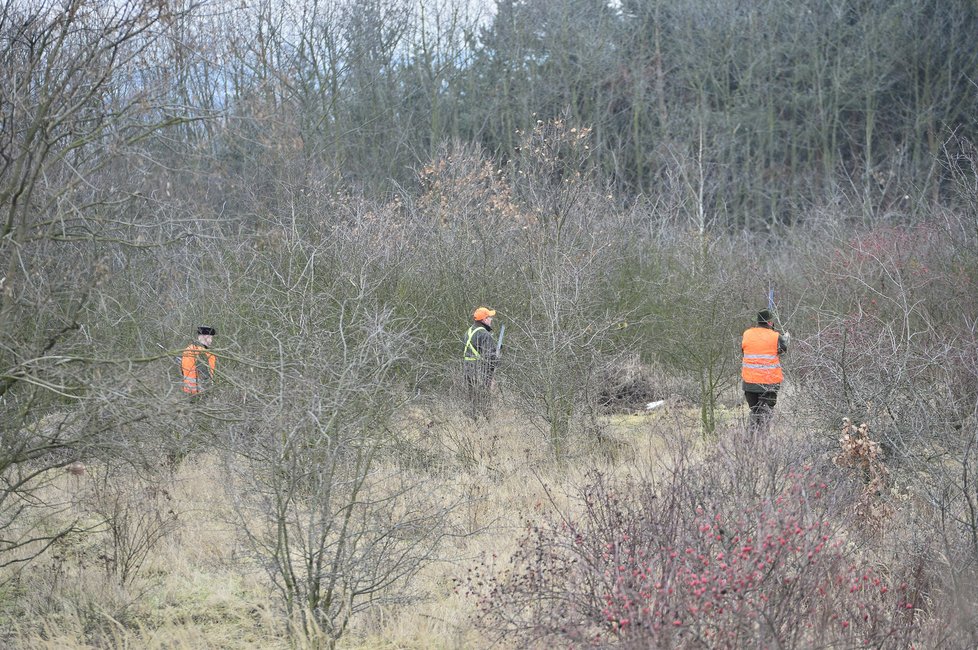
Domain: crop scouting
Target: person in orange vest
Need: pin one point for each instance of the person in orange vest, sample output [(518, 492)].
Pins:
[(762, 346), (480, 360), (197, 364)]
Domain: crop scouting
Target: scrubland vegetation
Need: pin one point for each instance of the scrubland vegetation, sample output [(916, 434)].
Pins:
[(334, 186)]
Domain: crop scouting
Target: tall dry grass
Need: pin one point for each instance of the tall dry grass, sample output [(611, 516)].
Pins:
[(200, 587)]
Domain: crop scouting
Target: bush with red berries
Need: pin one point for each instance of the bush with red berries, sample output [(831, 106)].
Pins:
[(647, 567)]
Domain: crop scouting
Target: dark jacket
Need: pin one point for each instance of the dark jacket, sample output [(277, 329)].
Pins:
[(481, 356)]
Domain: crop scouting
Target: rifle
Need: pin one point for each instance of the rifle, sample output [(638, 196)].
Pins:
[(777, 314), (774, 310), (499, 347), (176, 359)]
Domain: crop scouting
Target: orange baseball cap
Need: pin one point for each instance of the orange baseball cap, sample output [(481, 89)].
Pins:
[(483, 313)]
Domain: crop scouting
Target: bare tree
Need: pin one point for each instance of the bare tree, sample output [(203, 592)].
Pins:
[(568, 311), (72, 105), (321, 500)]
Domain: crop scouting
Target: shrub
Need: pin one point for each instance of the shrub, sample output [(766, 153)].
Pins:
[(627, 385), (641, 568)]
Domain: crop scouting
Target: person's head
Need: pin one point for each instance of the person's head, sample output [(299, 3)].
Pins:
[(206, 335), (483, 315), (765, 319)]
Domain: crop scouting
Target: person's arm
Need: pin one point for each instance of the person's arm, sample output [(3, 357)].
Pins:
[(783, 340), (493, 356), (486, 345)]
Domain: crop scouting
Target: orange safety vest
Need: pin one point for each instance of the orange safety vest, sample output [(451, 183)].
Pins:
[(197, 365), (761, 362)]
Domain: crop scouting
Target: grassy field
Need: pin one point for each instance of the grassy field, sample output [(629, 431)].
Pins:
[(200, 586)]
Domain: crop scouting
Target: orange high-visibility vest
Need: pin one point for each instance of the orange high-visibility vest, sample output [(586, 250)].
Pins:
[(197, 365), (761, 362)]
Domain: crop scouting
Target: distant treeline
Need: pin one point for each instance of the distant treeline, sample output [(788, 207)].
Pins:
[(768, 108)]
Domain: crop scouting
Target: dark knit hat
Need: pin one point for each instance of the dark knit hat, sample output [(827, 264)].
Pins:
[(204, 330), (764, 317)]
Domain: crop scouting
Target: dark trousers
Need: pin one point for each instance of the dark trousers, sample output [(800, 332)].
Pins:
[(478, 381), (761, 406)]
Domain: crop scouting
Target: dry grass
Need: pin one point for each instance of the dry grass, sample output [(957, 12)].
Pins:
[(199, 588), (509, 479), (194, 590)]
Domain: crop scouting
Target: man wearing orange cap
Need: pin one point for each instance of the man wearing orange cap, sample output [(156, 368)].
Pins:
[(481, 358)]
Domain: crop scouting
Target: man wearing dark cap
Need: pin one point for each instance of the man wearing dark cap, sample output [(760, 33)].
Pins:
[(761, 369), (197, 363), (480, 358)]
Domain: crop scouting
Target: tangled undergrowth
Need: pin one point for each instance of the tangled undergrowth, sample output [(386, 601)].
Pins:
[(640, 564)]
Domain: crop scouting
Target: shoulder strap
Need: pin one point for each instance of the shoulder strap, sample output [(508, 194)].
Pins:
[(471, 354)]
